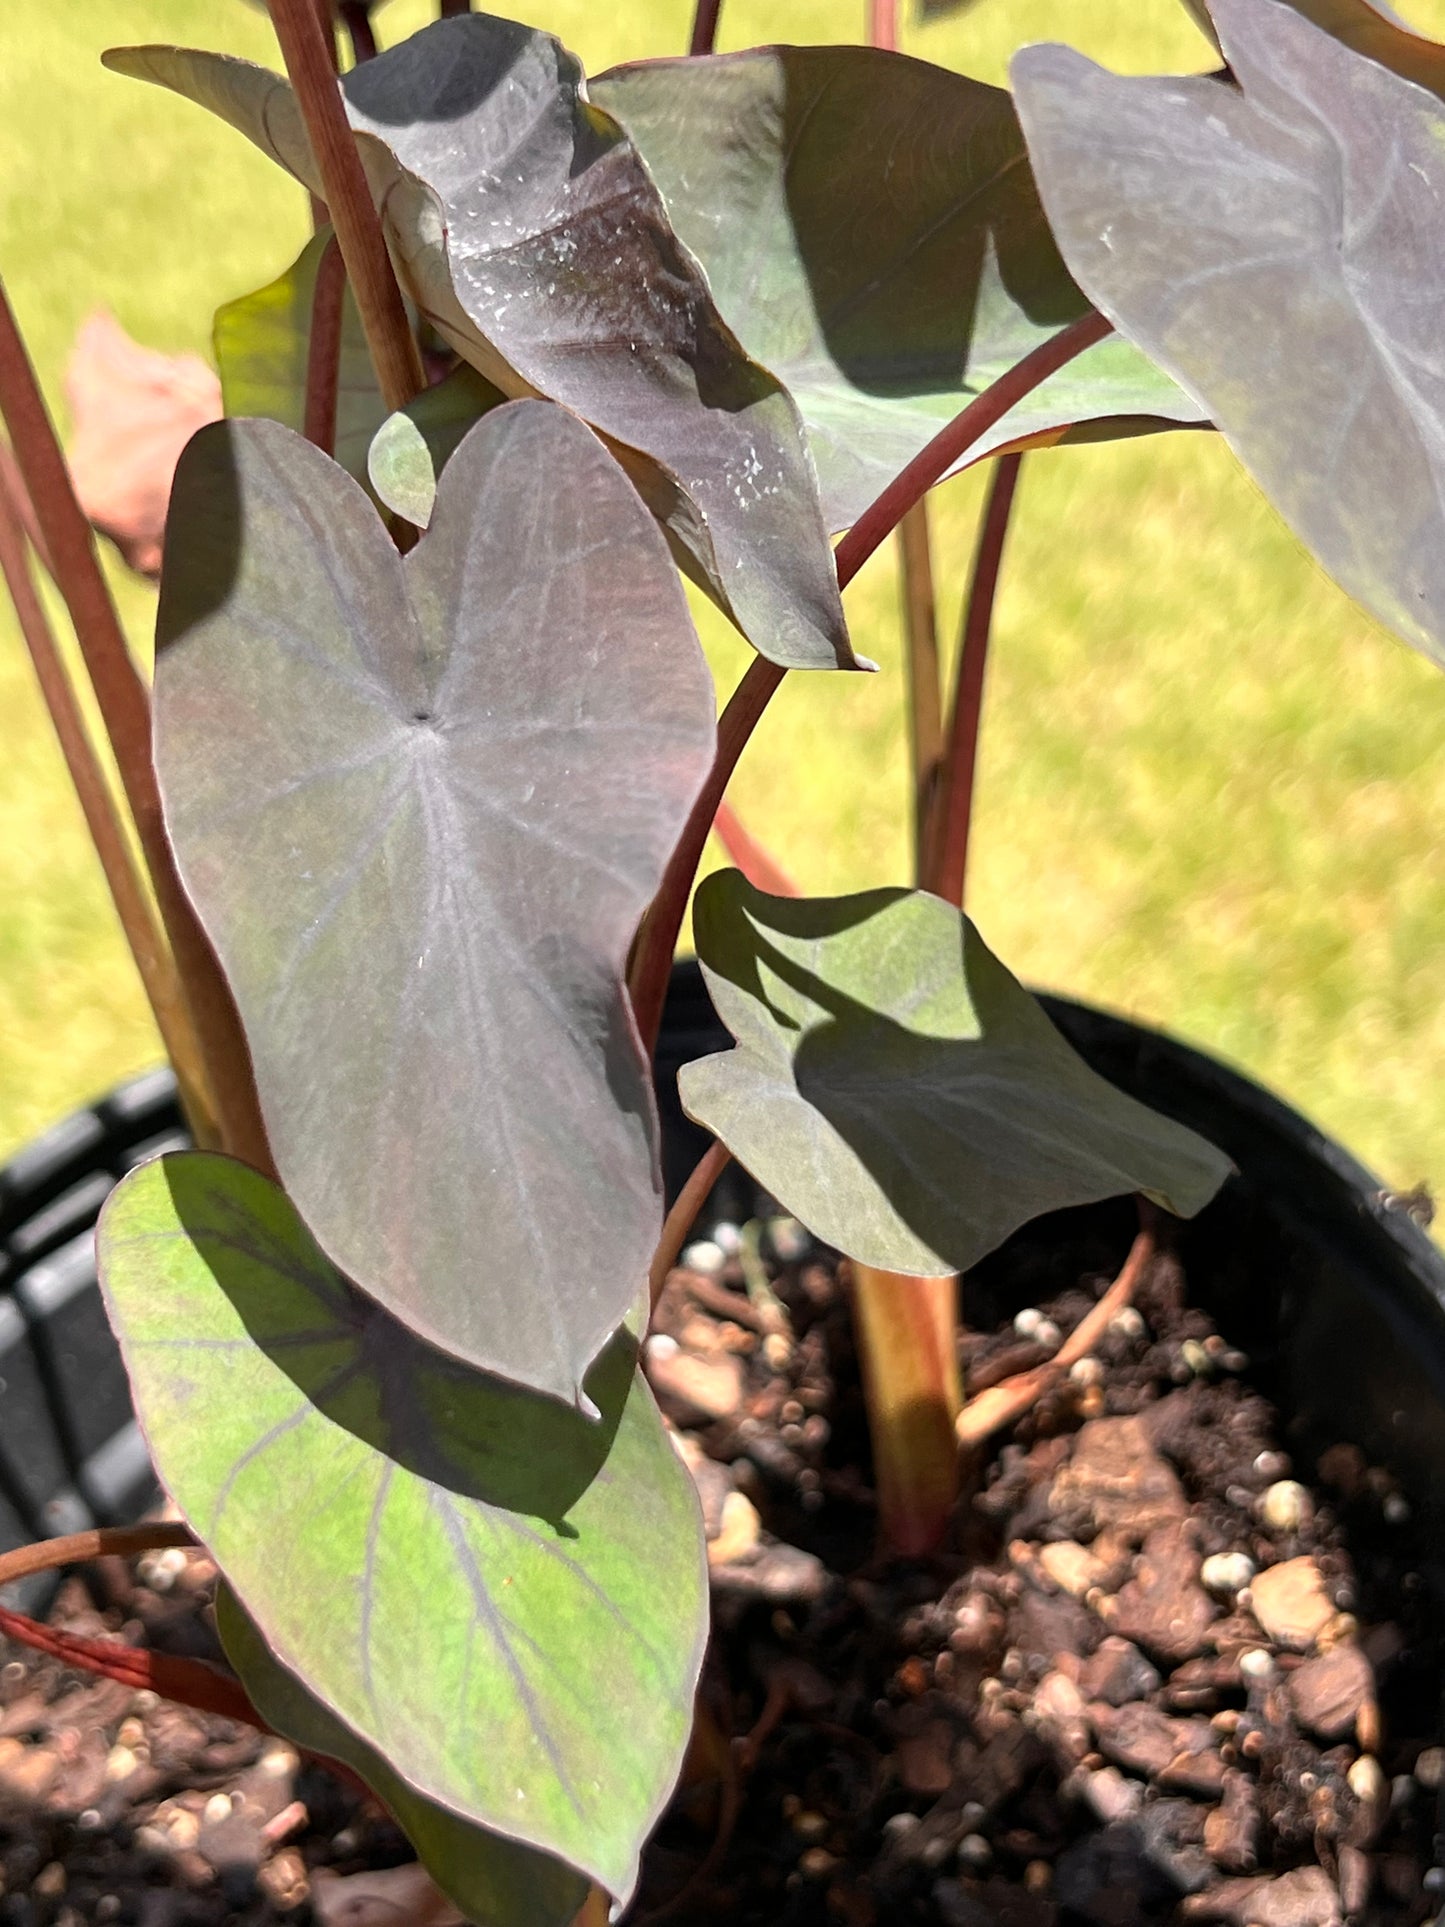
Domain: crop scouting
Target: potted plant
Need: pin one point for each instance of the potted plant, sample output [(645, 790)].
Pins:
[(421, 792)]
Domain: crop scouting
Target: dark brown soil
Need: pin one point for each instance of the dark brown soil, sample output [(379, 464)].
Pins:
[(1067, 1717), (1057, 1720)]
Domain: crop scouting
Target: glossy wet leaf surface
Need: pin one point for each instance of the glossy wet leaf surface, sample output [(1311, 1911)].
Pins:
[(898, 1091), (480, 1583), (261, 343), (421, 805), (870, 227), (529, 233), (494, 1881), (1280, 249)]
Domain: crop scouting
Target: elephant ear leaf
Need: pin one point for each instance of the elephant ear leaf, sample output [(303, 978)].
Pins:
[(468, 1580), (870, 227), (494, 1881), (527, 230), (261, 343), (899, 1092), (393, 789), (1278, 246)]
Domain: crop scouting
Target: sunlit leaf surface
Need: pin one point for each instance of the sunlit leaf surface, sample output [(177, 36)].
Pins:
[(480, 1584)]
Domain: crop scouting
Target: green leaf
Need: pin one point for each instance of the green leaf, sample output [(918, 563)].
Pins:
[(411, 448), (261, 346), (528, 232), (898, 1091), (494, 1881), (421, 804), (1278, 248), (505, 1600), (869, 226)]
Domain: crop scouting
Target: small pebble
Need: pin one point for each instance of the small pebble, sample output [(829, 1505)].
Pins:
[(1127, 1323), (788, 1239), (1272, 1465), (1227, 1572), (1196, 1358), (120, 1763), (1038, 1877), (1086, 1371), (1048, 1335), (817, 1863), (1027, 1322), (810, 1827), (1367, 1781), (1396, 1509), (706, 1256), (975, 1855), (728, 1238), (1257, 1665), (1286, 1506), (898, 1826), (662, 1345), (1430, 1768), (216, 1809)]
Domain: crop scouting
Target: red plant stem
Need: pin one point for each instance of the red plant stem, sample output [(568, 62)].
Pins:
[(954, 809), (99, 1542), (125, 711), (883, 24), (935, 460), (657, 939), (356, 18), (704, 27), (323, 348), (925, 695), (189, 1682), (758, 865), (347, 193), (15, 492), (153, 960), (1001, 1404), (683, 1215)]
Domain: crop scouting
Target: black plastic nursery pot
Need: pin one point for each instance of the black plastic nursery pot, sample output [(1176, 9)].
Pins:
[(1340, 1309)]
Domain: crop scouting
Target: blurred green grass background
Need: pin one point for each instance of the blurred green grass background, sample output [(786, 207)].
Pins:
[(1212, 793)]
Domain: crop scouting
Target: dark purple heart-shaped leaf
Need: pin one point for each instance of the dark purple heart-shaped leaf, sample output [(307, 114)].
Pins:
[(528, 231), (870, 227), (421, 804), (1279, 248)]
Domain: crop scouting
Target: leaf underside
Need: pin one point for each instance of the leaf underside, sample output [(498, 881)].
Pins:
[(261, 343), (899, 1092), (1279, 248), (479, 1583), (870, 228), (421, 804), (494, 1881), (528, 232)]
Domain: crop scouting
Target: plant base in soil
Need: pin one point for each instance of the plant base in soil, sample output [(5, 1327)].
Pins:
[(1175, 1665)]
